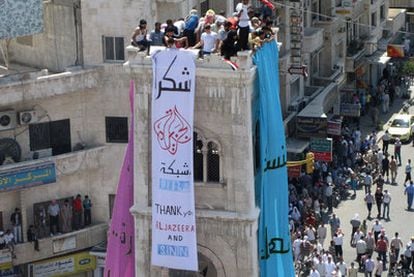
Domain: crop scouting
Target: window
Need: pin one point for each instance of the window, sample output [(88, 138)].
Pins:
[(111, 198), (206, 160), (374, 19), (113, 48), (204, 6), (213, 163), (116, 129), (198, 159), (53, 134), (382, 12)]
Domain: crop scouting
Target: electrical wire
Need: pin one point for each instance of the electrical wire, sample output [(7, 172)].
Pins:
[(331, 17)]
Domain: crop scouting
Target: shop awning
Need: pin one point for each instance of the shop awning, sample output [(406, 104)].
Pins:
[(294, 145), (379, 57), (322, 103)]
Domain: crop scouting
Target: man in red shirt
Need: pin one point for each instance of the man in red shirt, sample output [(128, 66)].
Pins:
[(382, 247), (77, 212)]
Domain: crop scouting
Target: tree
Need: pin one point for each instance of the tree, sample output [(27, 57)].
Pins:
[(408, 69)]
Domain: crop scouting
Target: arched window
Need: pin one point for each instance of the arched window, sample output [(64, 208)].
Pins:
[(198, 159), (205, 268), (206, 160), (213, 163)]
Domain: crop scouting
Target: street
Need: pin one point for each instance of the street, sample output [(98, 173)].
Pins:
[(401, 220)]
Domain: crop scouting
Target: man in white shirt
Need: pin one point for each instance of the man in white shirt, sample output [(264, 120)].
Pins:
[(339, 241), (376, 229), (341, 266), (361, 249), (329, 267), (386, 200), (9, 240), (242, 9), (53, 210), (208, 41), (314, 273), (321, 234), (296, 247), (385, 141)]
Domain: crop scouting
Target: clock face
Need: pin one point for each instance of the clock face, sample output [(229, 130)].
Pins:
[(5, 120), (10, 148)]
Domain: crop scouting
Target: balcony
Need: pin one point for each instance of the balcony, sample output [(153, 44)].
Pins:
[(354, 54), (66, 164), (402, 4), (170, 1), (19, 88), (61, 244), (396, 20), (212, 64), (312, 40)]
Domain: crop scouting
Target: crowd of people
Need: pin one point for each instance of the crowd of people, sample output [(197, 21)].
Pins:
[(73, 214), (247, 28), (358, 164)]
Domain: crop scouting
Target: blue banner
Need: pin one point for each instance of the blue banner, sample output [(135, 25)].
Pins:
[(28, 176), (274, 243)]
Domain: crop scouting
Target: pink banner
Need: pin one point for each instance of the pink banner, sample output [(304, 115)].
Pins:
[(120, 253)]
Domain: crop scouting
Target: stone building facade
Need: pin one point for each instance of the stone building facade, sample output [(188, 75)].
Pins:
[(226, 213)]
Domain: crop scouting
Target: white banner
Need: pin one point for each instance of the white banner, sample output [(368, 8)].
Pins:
[(174, 243)]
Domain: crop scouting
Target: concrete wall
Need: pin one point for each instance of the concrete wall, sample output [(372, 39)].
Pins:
[(111, 18), (89, 172), (55, 48)]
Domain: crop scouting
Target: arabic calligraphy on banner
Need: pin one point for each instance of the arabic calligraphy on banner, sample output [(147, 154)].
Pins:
[(27, 176), (174, 243)]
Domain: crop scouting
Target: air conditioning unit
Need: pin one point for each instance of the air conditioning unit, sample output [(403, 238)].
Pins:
[(7, 120), (28, 117)]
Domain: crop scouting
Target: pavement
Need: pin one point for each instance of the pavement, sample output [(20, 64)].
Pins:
[(401, 220)]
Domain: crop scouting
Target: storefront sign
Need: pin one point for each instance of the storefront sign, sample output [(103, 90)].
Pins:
[(294, 171), (395, 50), (64, 244), (5, 259), (63, 266), (352, 110), (334, 128), (322, 149), (27, 176), (174, 243), (311, 127), (298, 70)]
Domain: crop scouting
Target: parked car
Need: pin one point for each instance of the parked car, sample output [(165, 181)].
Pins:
[(401, 126)]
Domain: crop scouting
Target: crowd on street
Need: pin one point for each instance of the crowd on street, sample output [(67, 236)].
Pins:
[(368, 164)]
